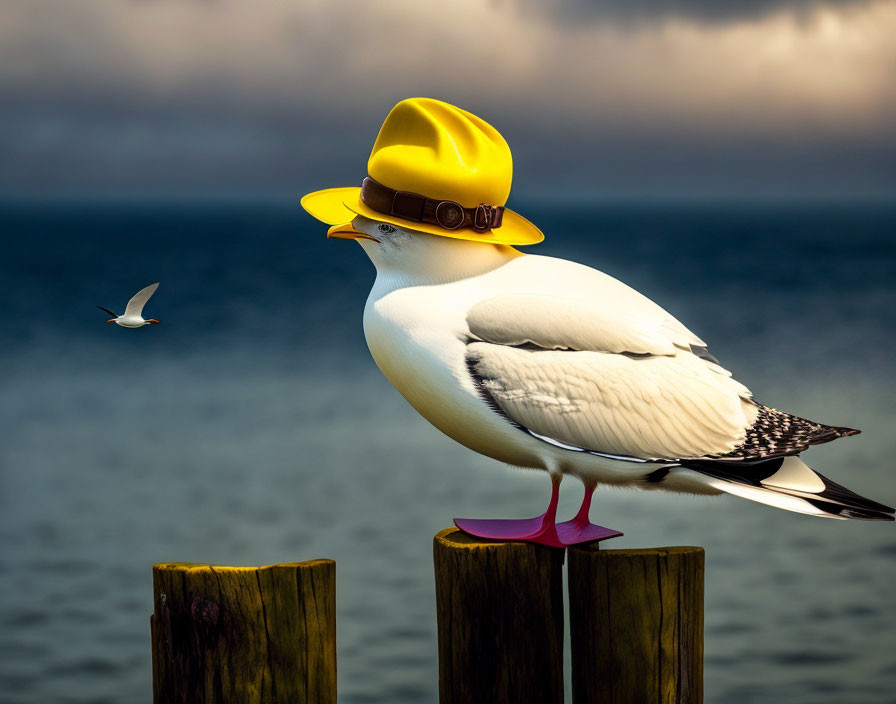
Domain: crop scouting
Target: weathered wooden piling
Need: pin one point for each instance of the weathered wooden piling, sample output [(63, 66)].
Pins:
[(500, 620), (244, 635), (636, 625)]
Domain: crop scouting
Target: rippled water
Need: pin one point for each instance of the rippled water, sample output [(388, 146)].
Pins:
[(250, 427)]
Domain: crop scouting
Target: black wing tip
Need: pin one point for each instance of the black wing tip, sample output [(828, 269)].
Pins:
[(854, 512), (851, 501), (836, 500), (846, 432), (859, 515)]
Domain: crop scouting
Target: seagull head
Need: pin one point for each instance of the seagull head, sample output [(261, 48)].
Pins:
[(418, 255)]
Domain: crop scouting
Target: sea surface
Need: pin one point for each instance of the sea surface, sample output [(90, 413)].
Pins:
[(251, 427)]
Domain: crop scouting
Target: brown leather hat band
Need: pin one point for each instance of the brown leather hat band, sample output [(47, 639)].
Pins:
[(417, 208)]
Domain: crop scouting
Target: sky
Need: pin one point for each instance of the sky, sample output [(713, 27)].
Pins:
[(618, 99)]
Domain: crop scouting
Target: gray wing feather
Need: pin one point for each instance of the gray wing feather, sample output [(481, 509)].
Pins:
[(135, 305)]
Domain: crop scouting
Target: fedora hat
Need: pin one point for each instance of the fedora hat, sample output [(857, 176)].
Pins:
[(434, 168)]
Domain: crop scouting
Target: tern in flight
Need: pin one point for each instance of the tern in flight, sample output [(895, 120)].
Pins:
[(133, 313)]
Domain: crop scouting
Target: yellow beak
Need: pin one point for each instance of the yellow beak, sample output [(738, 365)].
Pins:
[(347, 232)]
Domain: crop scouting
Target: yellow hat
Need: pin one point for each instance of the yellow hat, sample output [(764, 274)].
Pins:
[(434, 168)]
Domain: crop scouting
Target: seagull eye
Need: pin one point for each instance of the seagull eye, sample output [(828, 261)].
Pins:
[(385, 229)]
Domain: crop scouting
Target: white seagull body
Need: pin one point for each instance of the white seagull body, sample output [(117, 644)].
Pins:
[(133, 313), (547, 364)]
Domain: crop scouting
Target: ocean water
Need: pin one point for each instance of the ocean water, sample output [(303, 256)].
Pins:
[(251, 427)]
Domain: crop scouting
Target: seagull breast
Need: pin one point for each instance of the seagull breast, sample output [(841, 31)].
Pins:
[(418, 338)]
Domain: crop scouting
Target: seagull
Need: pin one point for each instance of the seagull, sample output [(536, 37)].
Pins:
[(133, 313), (548, 364), (543, 363)]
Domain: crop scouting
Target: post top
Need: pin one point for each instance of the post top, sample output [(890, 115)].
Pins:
[(455, 538), (645, 552), (206, 567)]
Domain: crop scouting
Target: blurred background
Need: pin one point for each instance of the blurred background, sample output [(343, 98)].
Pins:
[(734, 161)]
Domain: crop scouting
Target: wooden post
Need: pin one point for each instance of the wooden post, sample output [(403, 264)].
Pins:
[(636, 625), (244, 635), (500, 618)]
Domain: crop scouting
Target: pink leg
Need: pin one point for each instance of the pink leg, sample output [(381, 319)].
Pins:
[(540, 529), (585, 508), (580, 529)]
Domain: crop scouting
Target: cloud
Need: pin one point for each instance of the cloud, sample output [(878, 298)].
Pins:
[(226, 94), (635, 12)]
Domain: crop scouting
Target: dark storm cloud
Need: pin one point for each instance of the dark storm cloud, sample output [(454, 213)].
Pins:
[(251, 156), (631, 12), (196, 98)]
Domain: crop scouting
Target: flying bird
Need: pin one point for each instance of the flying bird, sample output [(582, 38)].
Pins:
[(545, 363), (133, 313)]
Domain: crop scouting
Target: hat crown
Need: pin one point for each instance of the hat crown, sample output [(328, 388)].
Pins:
[(438, 150)]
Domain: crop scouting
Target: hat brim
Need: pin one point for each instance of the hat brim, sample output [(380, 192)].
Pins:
[(336, 206)]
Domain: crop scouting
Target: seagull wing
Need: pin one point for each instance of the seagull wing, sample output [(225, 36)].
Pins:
[(568, 305), (615, 374), (114, 315), (583, 362), (135, 305), (599, 325)]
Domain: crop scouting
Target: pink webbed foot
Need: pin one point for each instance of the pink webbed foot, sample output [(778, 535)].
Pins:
[(580, 529), (530, 530), (541, 529), (574, 532)]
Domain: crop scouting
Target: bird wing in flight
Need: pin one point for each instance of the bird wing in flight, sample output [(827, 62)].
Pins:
[(114, 315), (135, 305), (614, 375)]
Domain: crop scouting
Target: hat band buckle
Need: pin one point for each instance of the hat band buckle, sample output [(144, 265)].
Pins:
[(416, 207)]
